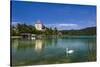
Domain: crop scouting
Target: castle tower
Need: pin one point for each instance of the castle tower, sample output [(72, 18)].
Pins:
[(38, 25)]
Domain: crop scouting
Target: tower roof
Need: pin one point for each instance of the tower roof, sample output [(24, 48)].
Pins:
[(38, 22)]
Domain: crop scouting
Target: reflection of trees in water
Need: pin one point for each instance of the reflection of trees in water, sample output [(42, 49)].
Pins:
[(91, 44), (41, 43), (15, 43), (90, 50), (51, 42), (23, 44), (37, 44)]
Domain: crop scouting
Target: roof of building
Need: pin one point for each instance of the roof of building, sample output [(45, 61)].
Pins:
[(38, 22)]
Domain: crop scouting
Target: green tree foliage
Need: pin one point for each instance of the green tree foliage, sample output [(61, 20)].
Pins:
[(24, 28), (86, 31)]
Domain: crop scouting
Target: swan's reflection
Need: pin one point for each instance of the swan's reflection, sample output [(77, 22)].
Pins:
[(38, 45)]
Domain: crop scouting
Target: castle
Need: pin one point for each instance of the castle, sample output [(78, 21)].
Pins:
[(38, 25)]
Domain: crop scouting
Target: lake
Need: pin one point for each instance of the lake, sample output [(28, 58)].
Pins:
[(53, 50)]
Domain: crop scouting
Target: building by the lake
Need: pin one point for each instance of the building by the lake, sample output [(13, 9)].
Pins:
[(38, 25)]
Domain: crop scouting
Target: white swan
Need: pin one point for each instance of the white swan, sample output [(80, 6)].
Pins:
[(69, 51)]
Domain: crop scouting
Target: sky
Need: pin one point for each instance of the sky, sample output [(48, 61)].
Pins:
[(61, 16)]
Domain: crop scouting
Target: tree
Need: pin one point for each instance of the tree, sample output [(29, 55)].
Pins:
[(55, 31)]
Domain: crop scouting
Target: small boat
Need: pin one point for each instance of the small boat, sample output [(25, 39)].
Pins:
[(33, 38)]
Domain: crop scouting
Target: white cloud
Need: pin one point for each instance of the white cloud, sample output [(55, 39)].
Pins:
[(68, 25), (63, 26)]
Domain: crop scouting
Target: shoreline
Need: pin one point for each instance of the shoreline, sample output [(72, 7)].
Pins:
[(72, 36)]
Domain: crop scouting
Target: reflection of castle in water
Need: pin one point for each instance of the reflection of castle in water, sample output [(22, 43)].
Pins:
[(38, 44), (42, 43)]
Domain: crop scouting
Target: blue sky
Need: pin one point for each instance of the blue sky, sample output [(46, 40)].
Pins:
[(62, 16)]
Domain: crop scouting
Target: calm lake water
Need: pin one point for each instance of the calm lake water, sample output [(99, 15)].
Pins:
[(53, 50)]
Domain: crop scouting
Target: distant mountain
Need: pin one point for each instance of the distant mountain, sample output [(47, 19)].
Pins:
[(89, 31), (89, 28), (85, 31)]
